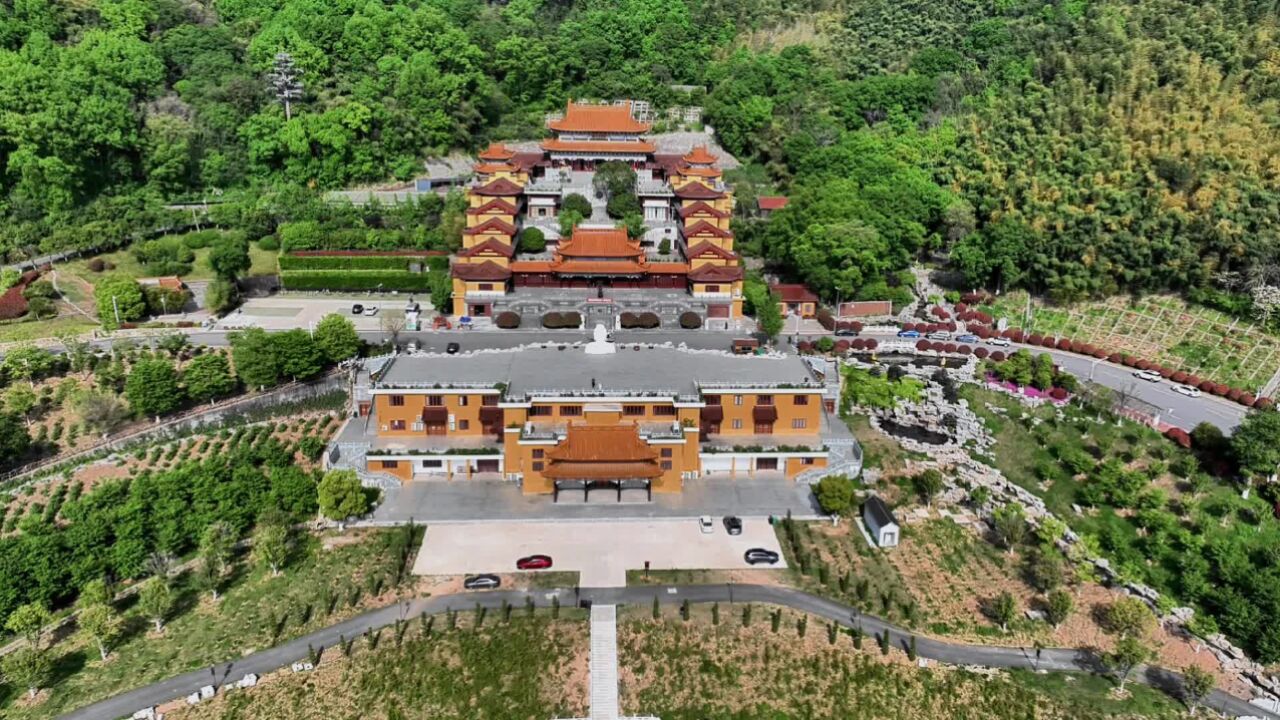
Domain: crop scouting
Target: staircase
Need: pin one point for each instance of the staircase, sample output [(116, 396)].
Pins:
[(604, 662)]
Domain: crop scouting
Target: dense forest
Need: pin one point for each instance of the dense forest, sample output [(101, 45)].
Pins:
[(1076, 148)]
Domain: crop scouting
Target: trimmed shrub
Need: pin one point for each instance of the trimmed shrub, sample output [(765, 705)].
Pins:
[(647, 320), (270, 243), (97, 264), (1179, 436), (922, 345), (398, 280), (1058, 393), (1247, 399), (1178, 377), (997, 356), (690, 320), (842, 346), (507, 320), (964, 349), (558, 320), (1065, 344), (981, 353), (350, 262), (804, 346), (872, 343), (825, 319)]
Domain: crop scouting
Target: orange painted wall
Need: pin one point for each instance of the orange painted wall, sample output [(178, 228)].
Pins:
[(411, 412), (787, 411)]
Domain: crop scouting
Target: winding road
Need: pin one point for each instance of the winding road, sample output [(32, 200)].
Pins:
[(265, 661)]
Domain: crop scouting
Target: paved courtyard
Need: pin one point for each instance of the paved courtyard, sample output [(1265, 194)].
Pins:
[(461, 500), (285, 312), (601, 551)]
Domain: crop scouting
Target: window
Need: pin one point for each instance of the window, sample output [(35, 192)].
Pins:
[(667, 410), (801, 399), (397, 424), (633, 410), (489, 400), (464, 424), (666, 464), (737, 425), (764, 428), (537, 466), (666, 452), (799, 424), (396, 400), (538, 453), (712, 399), (435, 400), (540, 411), (713, 288), (485, 287), (570, 410), (764, 399), (390, 464), (462, 400), (808, 461), (737, 399)]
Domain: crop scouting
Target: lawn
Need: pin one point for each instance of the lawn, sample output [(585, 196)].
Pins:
[(262, 262), (37, 329), (694, 670), (530, 668), (1162, 328), (328, 579), (879, 451)]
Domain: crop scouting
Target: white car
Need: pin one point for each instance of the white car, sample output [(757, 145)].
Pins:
[(371, 311), (1187, 390), (1147, 375), (939, 336), (999, 342), (706, 525)]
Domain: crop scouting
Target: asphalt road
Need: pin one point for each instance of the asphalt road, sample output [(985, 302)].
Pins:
[(1058, 659)]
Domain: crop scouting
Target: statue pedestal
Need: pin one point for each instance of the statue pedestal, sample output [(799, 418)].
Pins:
[(600, 345)]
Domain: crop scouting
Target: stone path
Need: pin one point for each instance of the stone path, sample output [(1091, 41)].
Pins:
[(604, 662)]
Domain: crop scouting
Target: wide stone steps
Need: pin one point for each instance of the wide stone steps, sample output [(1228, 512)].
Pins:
[(604, 662)]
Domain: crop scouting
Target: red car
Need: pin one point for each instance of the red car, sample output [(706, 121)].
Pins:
[(534, 562)]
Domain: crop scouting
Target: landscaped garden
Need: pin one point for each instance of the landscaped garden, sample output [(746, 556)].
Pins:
[(735, 662)]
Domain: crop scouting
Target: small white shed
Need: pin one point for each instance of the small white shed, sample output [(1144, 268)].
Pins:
[(880, 522)]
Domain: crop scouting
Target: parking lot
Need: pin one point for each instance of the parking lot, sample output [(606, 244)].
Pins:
[(601, 552), (288, 312)]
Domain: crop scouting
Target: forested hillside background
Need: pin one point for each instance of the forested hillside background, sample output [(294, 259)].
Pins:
[(1076, 148)]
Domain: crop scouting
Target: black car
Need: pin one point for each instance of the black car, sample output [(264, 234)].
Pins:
[(733, 524), (357, 309), (452, 348), (846, 332), (756, 556), (481, 582)]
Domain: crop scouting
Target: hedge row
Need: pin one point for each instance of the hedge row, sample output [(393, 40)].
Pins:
[(399, 280), (644, 320), (557, 320), (350, 262), (841, 346)]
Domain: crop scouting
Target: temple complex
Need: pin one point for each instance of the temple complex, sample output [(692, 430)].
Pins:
[(685, 256)]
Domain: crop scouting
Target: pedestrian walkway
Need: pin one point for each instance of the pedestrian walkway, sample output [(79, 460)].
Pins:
[(604, 662)]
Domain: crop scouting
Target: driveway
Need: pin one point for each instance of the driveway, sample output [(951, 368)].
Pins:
[(601, 552), (286, 312)]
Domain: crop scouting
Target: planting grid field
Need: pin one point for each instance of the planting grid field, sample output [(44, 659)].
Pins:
[(326, 580), (693, 669), (517, 667), (1161, 328)]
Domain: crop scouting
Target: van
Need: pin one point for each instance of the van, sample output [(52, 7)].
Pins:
[(939, 335)]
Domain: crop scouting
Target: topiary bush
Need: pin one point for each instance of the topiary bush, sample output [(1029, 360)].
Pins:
[(690, 320), (507, 320)]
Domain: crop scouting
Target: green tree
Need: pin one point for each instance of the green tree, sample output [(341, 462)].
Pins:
[(254, 355), (927, 484), (100, 411), (1256, 443), (119, 299), (1197, 683), (1004, 608), (21, 400), (568, 220), (342, 496), (1129, 652), (152, 387), (297, 355), (271, 543), (576, 203), (27, 667), (336, 337), (1058, 606), (532, 240), (101, 625), (1129, 617), (14, 440), (208, 377), (28, 621), (28, 363), (217, 545), (1010, 524), (835, 494), (230, 257), (220, 296), (155, 601)]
